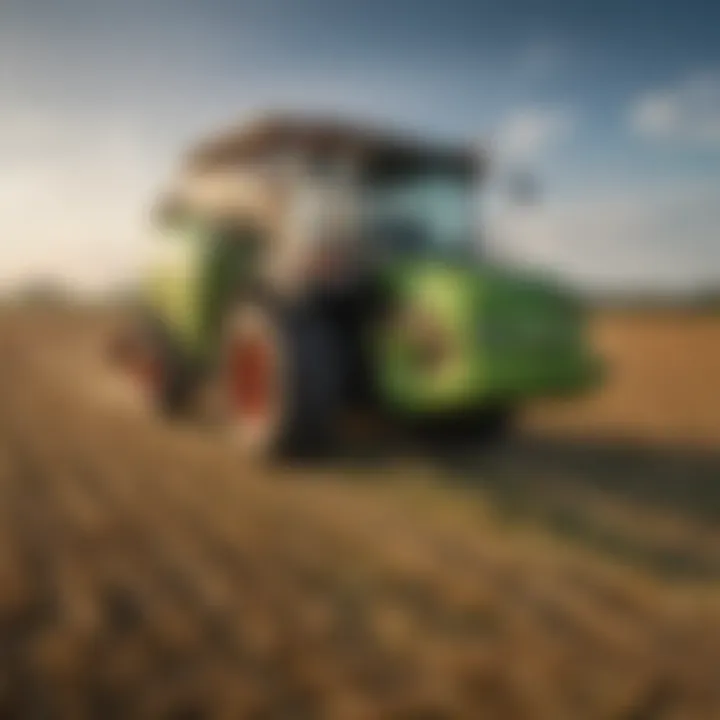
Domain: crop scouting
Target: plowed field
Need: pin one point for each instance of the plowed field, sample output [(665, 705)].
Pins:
[(146, 572)]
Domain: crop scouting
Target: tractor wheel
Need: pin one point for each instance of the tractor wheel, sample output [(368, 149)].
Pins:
[(279, 380), (155, 367)]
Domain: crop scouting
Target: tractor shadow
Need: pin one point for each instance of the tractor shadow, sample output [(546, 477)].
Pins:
[(650, 505), (675, 479)]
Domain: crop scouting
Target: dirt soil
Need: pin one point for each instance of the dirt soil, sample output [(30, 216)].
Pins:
[(146, 572)]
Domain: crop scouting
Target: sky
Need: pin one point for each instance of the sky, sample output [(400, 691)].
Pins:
[(614, 106)]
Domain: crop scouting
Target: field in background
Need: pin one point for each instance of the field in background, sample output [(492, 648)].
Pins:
[(145, 572), (663, 382)]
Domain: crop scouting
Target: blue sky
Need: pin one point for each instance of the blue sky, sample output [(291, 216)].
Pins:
[(614, 105)]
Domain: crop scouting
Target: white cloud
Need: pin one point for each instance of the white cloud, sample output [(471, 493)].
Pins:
[(687, 113), (529, 133), (662, 238)]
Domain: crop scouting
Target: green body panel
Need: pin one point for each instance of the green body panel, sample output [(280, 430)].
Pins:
[(191, 282), (504, 338), (172, 289)]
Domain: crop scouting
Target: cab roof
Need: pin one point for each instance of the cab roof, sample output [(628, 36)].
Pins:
[(324, 137)]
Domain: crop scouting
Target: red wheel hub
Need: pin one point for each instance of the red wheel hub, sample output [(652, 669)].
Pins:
[(138, 359), (251, 377), (148, 372)]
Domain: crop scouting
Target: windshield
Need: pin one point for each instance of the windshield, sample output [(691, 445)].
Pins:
[(430, 213)]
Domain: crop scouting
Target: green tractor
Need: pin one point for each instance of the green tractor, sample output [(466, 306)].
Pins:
[(311, 270)]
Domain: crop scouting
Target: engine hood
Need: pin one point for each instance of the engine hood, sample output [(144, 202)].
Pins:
[(504, 332), (490, 288)]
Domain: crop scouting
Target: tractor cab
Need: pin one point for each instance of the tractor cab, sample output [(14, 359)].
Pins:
[(327, 196)]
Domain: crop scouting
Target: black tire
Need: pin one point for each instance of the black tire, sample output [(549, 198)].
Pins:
[(300, 422), (146, 342)]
